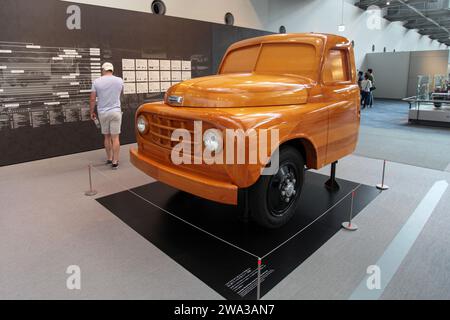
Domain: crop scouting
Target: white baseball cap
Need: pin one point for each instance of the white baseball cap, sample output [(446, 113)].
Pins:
[(108, 67)]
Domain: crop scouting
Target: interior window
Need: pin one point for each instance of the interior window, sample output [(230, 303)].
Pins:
[(241, 60), (336, 66), (288, 58)]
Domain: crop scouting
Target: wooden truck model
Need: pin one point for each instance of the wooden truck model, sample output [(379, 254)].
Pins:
[(303, 86)]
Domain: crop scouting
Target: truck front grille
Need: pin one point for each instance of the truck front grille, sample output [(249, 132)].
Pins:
[(161, 129)]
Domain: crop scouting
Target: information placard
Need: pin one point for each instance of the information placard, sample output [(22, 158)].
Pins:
[(165, 65), (128, 64)]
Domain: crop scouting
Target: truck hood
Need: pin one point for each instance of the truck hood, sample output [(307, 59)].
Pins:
[(240, 90)]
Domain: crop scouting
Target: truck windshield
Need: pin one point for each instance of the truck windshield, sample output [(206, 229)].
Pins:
[(288, 58), (241, 60), (275, 58)]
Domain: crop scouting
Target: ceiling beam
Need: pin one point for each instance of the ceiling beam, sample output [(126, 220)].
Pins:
[(429, 18), (433, 14), (425, 24)]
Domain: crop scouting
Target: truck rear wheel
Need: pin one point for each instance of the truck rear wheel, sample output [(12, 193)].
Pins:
[(273, 199)]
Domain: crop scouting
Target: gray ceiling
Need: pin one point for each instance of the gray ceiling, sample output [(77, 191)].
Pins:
[(431, 18)]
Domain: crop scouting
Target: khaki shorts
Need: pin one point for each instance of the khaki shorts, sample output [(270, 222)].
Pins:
[(110, 122)]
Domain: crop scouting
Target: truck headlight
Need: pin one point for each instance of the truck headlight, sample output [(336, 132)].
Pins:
[(213, 140), (142, 124)]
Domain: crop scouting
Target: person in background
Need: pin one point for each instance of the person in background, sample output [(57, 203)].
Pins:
[(366, 85), (108, 90), (372, 79), (360, 79)]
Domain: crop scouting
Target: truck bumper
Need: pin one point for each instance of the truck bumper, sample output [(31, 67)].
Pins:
[(205, 188)]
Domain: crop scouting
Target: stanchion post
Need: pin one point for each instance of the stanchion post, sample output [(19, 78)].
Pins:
[(349, 225), (382, 186), (91, 192), (258, 288)]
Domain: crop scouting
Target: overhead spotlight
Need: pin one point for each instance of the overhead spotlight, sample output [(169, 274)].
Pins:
[(388, 3), (341, 28)]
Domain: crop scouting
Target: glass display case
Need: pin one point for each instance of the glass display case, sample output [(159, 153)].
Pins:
[(440, 83), (431, 105), (440, 90), (423, 87)]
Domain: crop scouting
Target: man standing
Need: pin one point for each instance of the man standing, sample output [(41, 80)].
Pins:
[(360, 79), (372, 80), (108, 89), (366, 84)]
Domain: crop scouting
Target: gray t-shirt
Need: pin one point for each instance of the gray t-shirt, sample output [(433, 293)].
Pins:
[(109, 90)]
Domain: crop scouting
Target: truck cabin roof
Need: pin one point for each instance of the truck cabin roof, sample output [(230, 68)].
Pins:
[(297, 54)]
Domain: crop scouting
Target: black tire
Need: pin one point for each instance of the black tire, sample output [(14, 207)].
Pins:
[(269, 207)]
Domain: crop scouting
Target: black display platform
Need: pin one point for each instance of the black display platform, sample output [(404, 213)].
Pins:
[(228, 270)]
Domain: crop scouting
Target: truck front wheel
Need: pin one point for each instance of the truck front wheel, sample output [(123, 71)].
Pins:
[(273, 199)]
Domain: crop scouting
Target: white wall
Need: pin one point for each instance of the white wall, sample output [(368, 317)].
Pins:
[(326, 15), (296, 16), (247, 13)]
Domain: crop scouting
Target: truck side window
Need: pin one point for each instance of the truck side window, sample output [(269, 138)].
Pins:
[(336, 66)]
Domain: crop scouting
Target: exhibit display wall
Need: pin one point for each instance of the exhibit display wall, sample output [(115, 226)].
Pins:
[(396, 73), (50, 55)]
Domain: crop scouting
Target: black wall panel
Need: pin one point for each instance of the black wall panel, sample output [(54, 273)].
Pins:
[(43, 112)]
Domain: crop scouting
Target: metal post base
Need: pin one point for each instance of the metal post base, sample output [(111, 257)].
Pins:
[(90, 193), (382, 187), (244, 209), (350, 226), (331, 183), (258, 284)]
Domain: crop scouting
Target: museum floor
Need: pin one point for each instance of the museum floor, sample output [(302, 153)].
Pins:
[(47, 224), (386, 134)]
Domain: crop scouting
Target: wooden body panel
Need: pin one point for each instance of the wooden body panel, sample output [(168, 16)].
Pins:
[(208, 188), (321, 117), (241, 90)]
